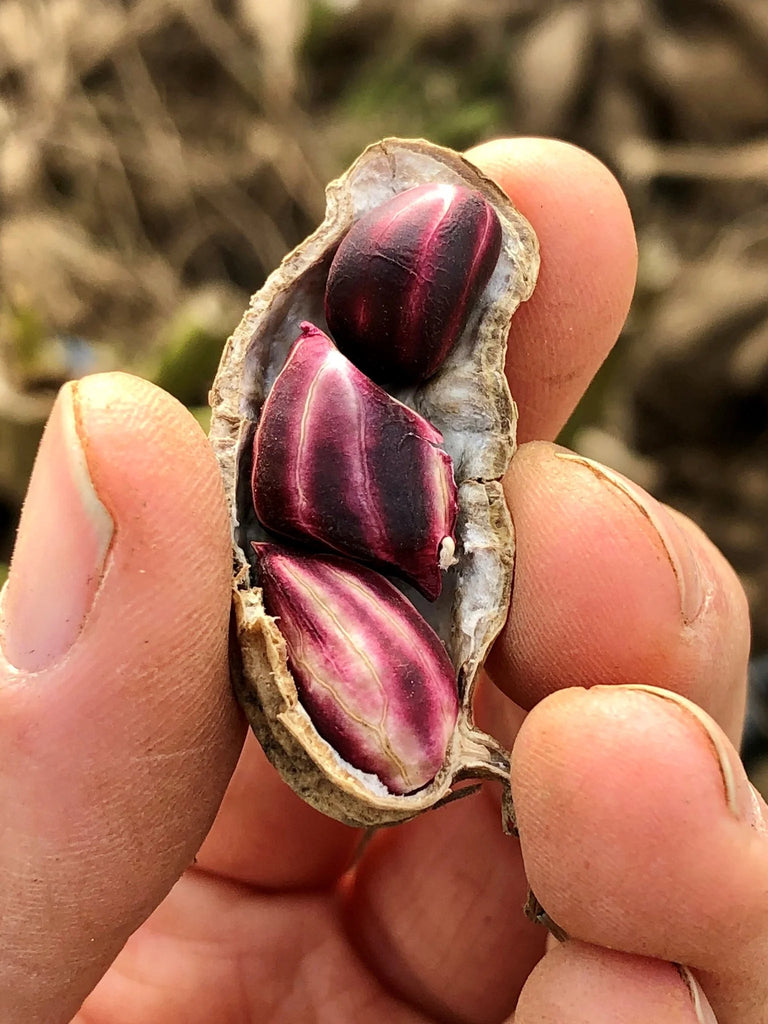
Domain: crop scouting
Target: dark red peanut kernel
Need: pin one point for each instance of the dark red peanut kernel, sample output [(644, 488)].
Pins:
[(339, 462), (372, 675), (405, 278)]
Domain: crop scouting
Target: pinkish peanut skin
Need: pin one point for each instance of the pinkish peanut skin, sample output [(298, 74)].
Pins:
[(339, 462), (373, 676), (406, 277)]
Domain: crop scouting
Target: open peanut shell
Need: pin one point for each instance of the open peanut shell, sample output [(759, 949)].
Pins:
[(467, 400)]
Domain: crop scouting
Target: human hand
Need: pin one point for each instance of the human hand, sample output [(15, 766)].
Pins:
[(119, 733)]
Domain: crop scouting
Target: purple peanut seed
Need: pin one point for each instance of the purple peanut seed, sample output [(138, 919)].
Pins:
[(339, 462), (406, 276), (371, 673)]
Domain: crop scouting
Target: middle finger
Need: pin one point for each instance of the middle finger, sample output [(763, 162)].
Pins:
[(612, 587)]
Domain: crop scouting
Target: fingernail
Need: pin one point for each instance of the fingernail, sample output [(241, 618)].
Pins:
[(704, 1012), (61, 548), (740, 794), (684, 563)]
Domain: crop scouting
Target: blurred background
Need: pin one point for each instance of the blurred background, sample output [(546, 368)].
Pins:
[(159, 157)]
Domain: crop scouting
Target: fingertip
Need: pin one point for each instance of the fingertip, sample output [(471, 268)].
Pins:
[(527, 165), (147, 662), (162, 610), (37, 631), (560, 337), (574, 201), (167, 580), (611, 587), (120, 732), (576, 983), (134, 433), (611, 780), (591, 587)]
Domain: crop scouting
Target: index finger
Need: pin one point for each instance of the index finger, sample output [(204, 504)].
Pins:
[(560, 337)]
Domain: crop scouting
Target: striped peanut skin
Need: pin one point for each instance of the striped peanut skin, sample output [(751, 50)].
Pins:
[(405, 278), (340, 464), (373, 676)]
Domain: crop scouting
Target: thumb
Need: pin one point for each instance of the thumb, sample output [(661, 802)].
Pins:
[(117, 726)]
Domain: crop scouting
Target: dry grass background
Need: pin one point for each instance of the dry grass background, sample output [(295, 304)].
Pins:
[(158, 157)]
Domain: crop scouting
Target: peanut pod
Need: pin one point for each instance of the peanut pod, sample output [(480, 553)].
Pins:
[(465, 400)]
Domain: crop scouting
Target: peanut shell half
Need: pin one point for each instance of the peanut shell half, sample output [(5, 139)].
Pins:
[(467, 400)]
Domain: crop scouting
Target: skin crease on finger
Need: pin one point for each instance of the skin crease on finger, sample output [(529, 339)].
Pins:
[(446, 929)]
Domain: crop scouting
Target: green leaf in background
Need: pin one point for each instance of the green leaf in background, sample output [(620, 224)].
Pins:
[(202, 414), (28, 335), (189, 363), (190, 349), (25, 333), (3, 573)]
